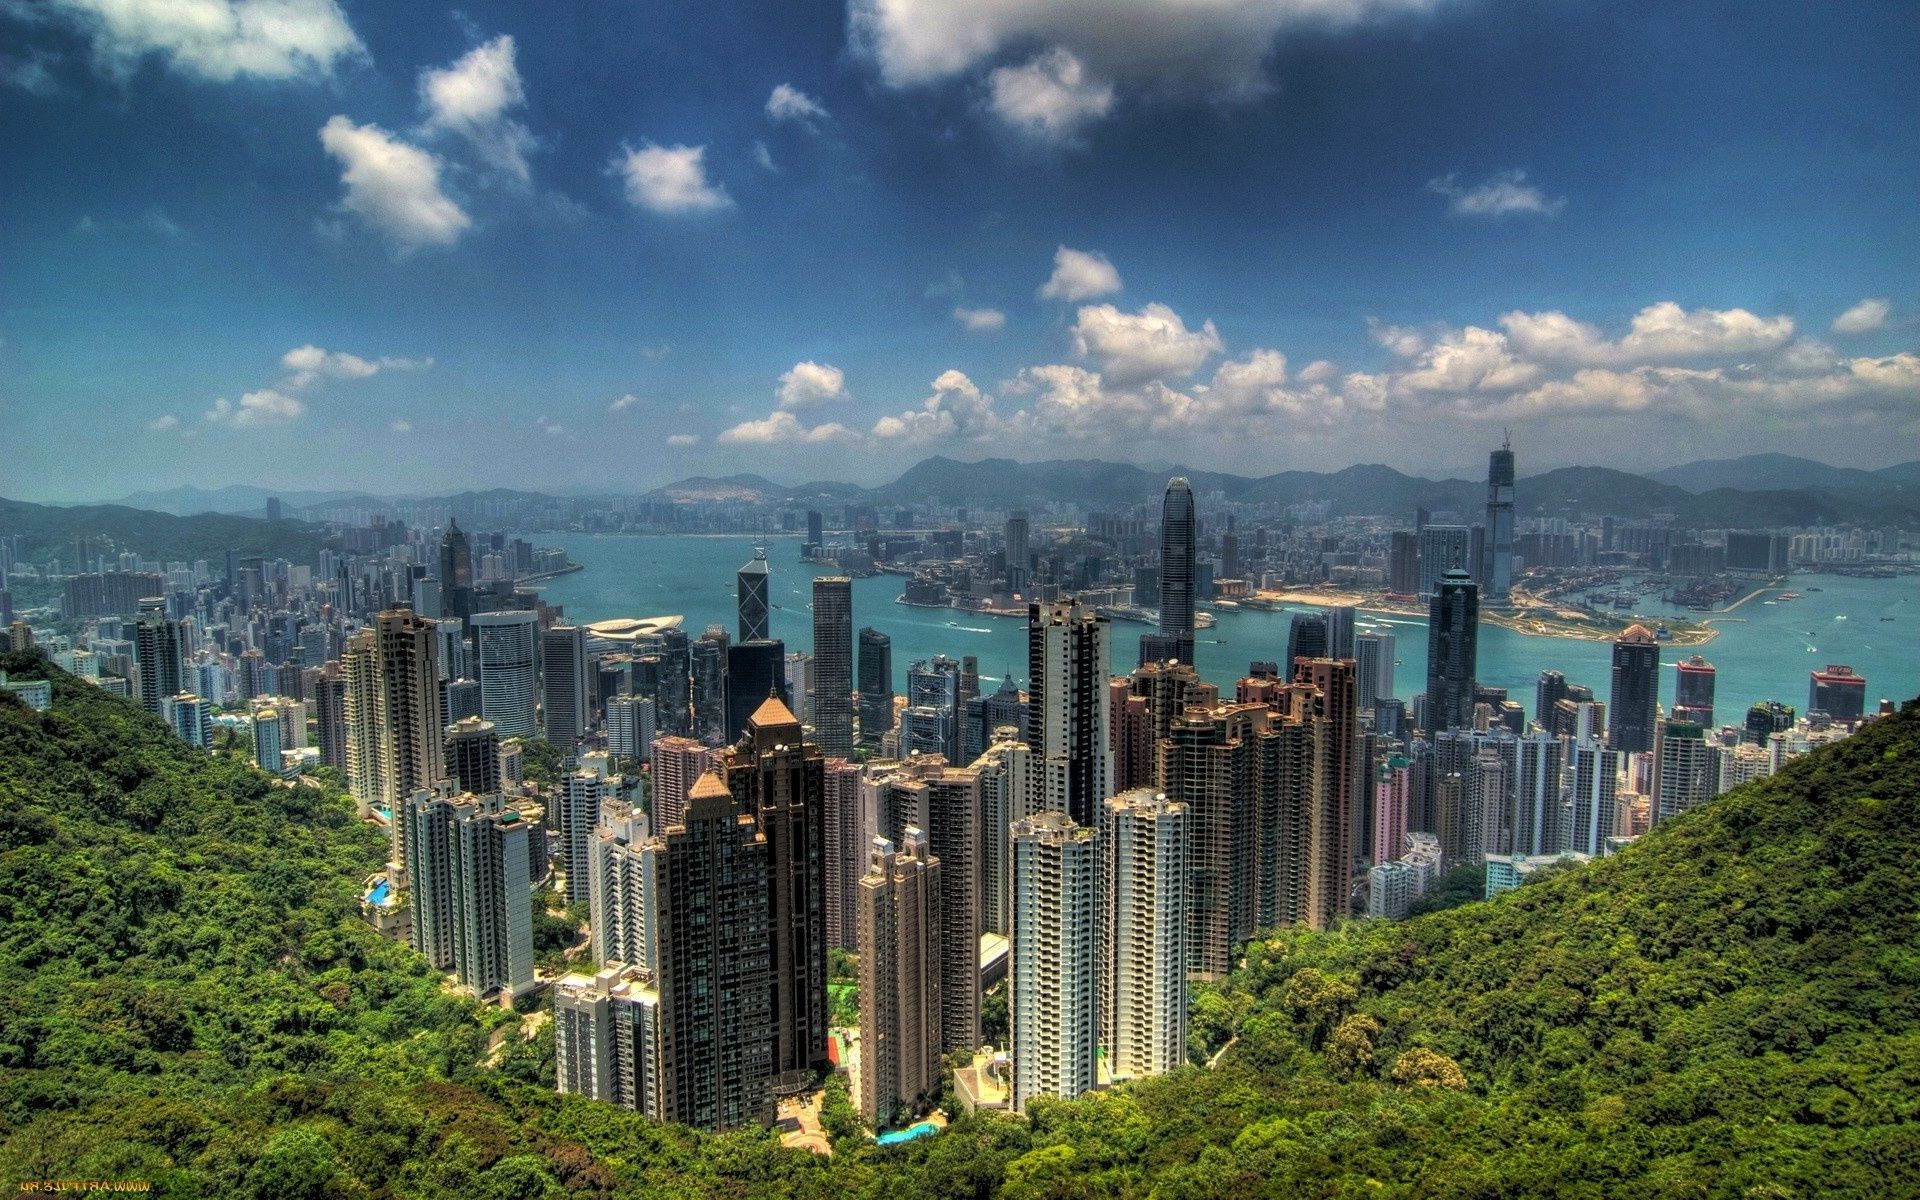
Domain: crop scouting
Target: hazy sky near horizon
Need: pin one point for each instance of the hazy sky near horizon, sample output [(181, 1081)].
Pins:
[(333, 243)]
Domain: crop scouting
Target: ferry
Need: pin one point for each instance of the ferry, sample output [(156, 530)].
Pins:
[(1788, 596)]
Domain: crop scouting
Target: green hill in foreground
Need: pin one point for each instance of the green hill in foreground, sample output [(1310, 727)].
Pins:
[(1730, 1008)]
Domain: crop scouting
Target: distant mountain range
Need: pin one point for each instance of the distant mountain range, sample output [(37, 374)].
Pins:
[(1771, 472)]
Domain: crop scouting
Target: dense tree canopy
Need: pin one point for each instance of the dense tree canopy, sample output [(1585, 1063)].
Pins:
[(1729, 1008)]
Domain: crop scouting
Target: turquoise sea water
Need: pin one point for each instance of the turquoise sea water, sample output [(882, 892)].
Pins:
[(1766, 656)]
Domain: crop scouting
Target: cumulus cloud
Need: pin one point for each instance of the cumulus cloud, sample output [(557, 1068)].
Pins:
[(1153, 343), (1864, 317), (393, 186), (781, 427), (1468, 360), (1663, 332), (956, 409), (1051, 97), (809, 383), (219, 40), (472, 98), (268, 406), (162, 423), (980, 320), (309, 363), (307, 368), (683, 439), (1505, 193), (789, 103), (669, 179), (1080, 275)]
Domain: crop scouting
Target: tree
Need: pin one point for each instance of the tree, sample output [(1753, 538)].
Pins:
[(1420, 1067)]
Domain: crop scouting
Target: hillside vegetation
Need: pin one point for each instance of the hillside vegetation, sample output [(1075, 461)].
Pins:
[(1730, 1008)]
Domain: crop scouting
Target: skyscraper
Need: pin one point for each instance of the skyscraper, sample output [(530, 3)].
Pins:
[(755, 671), (1636, 691), (1067, 706), (456, 573), (900, 980), (1596, 784), (709, 664), (1143, 960), (1019, 555), (750, 587), (566, 710), (1838, 692), (1373, 655), (1443, 548), (1054, 978), (1498, 570), (1177, 546), (1337, 780), (673, 703), (506, 653), (932, 718), (412, 736), (472, 890), (1693, 691), (1686, 770), (360, 666), (876, 688), (1207, 765), (1453, 639), (833, 665), (159, 654), (779, 777), (677, 763), (473, 756)]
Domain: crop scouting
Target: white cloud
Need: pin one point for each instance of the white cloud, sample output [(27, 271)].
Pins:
[(162, 423), (220, 40), (980, 320), (956, 409), (311, 362), (1080, 275), (789, 103), (623, 403), (400, 425), (783, 428), (764, 157), (1051, 96), (393, 186), (1864, 317), (472, 97), (811, 383), (683, 439), (268, 406), (669, 179), (1468, 360), (1662, 332), (656, 352), (1504, 193), (1153, 343)]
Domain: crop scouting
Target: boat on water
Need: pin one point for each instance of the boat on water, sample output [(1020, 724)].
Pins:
[(1839, 616), (1788, 596)]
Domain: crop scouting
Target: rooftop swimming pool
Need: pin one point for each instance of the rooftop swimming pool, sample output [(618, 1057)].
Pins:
[(380, 892)]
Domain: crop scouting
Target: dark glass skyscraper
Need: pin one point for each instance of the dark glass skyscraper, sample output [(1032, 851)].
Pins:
[(1498, 568), (1693, 692), (755, 671), (876, 687), (1176, 569), (833, 665), (752, 595), (1453, 650), (456, 573), (1636, 691)]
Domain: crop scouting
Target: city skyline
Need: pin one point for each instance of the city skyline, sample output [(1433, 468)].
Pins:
[(1251, 236)]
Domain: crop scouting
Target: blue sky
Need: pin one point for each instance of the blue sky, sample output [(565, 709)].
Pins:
[(593, 246)]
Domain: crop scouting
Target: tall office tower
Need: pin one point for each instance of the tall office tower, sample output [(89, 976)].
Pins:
[(1054, 978), (1306, 638), (1177, 545), (1403, 563), (968, 685), (1142, 952), (797, 671), (677, 763), (845, 836), (750, 587), (582, 797), (1766, 719), (1443, 548), (360, 664), (1207, 764), (1229, 554), (816, 531), (983, 714), (876, 688), (507, 657), (1373, 655), (1392, 787), (473, 756), (673, 696), (1453, 650), (900, 981), (158, 654), (1595, 770), (631, 727), (833, 665), (1498, 552), (931, 722), (1130, 732), (1547, 694), (269, 739), (1636, 691), (566, 710), (709, 658), (330, 711), (191, 717), (1693, 691), (1067, 699), (1686, 768), (468, 859), (713, 964), (456, 573), (622, 872), (456, 660), (1838, 692), (462, 699), (755, 671), (1019, 555), (413, 730), (606, 1037), (1340, 635), (1538, 821), (778, 775)]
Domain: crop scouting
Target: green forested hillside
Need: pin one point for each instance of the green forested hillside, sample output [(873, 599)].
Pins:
[(1730, 1008)]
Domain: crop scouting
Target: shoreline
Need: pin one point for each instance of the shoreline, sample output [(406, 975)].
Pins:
[(1519, 620)]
